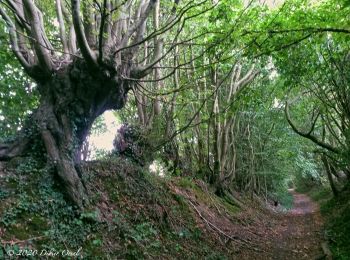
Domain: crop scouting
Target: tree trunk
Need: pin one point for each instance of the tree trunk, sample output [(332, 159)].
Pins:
[(329, 175), (70, 102)]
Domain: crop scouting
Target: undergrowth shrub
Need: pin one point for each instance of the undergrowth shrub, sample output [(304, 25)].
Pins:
[(148, 220), (337, 212)]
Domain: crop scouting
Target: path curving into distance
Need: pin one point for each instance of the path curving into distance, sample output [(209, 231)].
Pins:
[(299, 233)]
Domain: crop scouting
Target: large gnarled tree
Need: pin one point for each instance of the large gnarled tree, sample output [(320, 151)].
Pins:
[(88, 70)]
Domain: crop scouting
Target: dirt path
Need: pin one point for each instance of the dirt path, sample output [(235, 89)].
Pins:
[(298, 233), (262, 234)]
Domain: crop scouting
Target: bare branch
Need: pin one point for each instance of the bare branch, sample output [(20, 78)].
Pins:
[(142, 71), (87, 53), (72, 40), (61, 26), (38, 33), (138, 26), (72, 45), (14, 40), (158, 46), (251, 74), (104, 29), (90, 21), (308, 29), (19, 14)]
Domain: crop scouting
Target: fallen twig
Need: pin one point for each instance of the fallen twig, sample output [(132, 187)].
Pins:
[(228, 237), (17, 241), (326, 251)]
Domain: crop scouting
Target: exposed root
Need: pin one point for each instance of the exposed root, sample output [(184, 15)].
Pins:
[(14, 149)]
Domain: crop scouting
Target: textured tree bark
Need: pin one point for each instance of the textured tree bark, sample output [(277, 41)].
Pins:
[(223, 125), (78, 86), (70, 102), (329, 175)]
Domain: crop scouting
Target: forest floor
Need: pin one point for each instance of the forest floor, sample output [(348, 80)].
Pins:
[(263, 233), (145, 217), (297, 234)]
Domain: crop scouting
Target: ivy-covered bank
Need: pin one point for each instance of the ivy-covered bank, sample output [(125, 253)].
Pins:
[(133, 214)]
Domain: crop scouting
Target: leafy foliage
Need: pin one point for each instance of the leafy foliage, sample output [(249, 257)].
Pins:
[(18, 92), (195, 119)]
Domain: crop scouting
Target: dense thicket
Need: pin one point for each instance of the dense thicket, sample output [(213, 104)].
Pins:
[(84, 58), (228, 100), (223, 91)]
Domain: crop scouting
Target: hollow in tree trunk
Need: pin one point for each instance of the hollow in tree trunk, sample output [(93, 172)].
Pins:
[(70, 102), (84, 73)]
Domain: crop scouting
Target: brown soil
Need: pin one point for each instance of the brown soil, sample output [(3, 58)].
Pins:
[(257, 233), (295, 234), (298, 233), (253, 232)]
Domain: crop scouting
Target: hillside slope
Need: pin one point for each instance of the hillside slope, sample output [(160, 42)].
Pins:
[(136, 215)]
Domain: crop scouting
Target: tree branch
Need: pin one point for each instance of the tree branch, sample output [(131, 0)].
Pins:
[(19, 14), (308, 29), (138, 26), (141, 71), (72, 46), (308, 135), (101, 41), (14, 41), (38, 33), (61, 26), (251, 74), (87, 53)]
